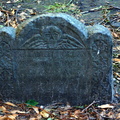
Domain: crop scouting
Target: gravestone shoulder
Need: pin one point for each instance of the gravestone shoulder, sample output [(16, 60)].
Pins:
[(100, 44), (7, 37)]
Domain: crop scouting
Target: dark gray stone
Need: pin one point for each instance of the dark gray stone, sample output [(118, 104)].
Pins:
[(7, 36), (55, 58), (100, 42)]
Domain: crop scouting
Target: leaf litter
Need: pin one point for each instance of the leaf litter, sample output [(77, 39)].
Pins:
[(93, 111)]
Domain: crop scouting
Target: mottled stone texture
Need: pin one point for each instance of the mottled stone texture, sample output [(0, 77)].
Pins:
[(7, 36), (55, 58)]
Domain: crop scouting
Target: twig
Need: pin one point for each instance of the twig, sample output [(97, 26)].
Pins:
[(92, 10), (69, 2), (88, 106), (100, 8), (113, 7), (102, 21), (4, 11)]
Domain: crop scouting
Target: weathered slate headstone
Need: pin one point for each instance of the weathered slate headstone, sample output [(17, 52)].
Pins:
[(7, 36), (55, 58)]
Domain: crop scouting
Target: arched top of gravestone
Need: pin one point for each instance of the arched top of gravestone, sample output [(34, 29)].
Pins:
[(7, 31), (99, 29), (99, 34), (51, 31), (7, 36)]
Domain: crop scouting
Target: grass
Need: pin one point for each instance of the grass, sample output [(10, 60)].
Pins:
[(62, 7)]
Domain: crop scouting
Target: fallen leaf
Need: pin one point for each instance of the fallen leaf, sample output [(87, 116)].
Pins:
[(3, 118), (2, 108), (12, 117), (115, 35), (118, 116), (33, 119), (17, 111), (110, 114), (8, 2), (39, 117), (77, 113), (116, 60), (11, 104), (44, 114), (36, 109), (1, 14), (106, 106)]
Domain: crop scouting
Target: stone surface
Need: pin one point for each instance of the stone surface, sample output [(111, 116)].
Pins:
[(7, 36), (55, 58)]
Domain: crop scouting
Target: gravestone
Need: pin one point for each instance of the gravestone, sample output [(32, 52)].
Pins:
[(55, 58)]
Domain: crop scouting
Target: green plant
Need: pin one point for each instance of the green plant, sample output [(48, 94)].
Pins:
[(31, 103), (115, 55), (62, 7)]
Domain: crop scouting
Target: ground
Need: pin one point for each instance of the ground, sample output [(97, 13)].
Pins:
[(13, 12)]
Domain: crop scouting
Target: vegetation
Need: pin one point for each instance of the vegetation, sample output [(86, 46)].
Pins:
[(64, 8)]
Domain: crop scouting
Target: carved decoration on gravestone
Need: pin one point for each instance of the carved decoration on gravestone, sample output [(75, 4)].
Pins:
[(52, 37)]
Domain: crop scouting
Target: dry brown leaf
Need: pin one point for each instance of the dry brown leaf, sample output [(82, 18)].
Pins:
[(5, 118), (83, 118), (16, 111), (64, 112), (33, 118), (36, 109), (106, 106), (13, 11), (116, 60), (13, 24), (34, 13), (83, 21), (1, 14), (110, 114), (12, 117), (44, 114), (115, 35), (39, 117), (77, 113), (118, 116), (11, 104), (8, 1), (2, 108)]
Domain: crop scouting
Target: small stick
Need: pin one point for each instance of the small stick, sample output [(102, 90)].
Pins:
[(88, 106)]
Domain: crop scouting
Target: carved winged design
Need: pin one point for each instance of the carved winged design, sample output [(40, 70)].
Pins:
[(52, 37)]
